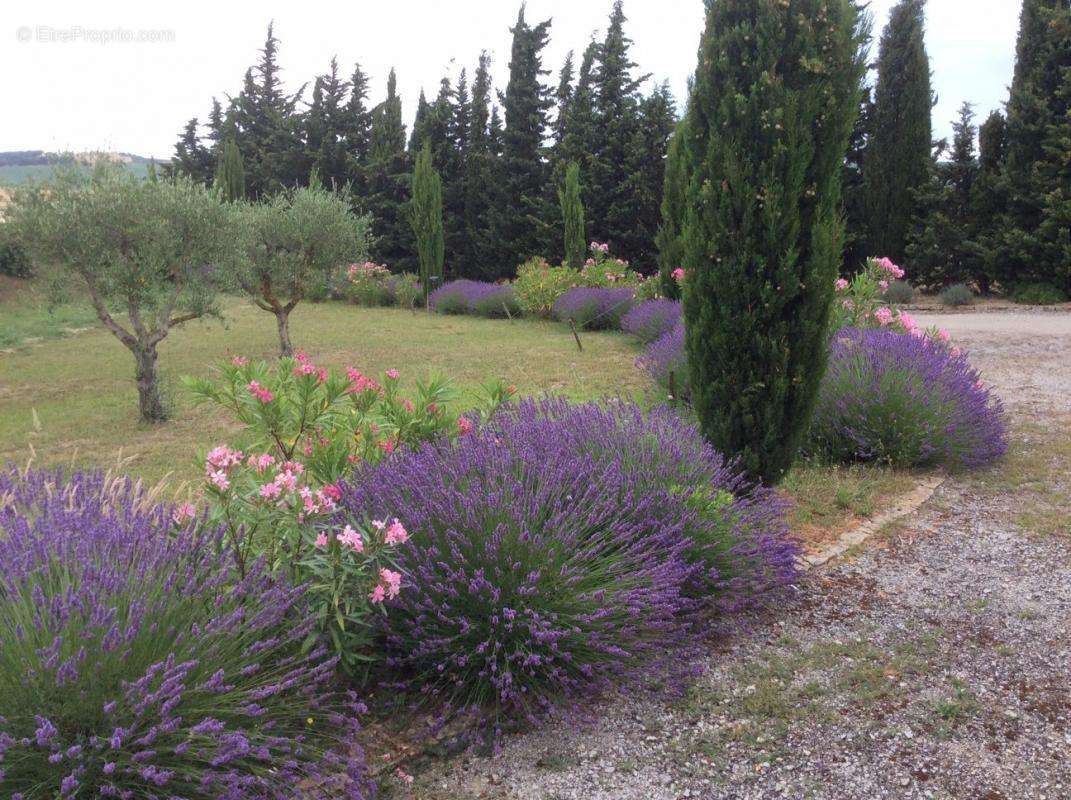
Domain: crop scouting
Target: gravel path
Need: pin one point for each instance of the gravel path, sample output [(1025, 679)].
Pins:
[(935, 664)]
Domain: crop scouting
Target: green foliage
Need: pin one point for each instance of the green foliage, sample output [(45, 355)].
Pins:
[(157, 251), (539, 285), (14, 262), (898, 156), (1038, 294), (573, 217), (407, 291), (674, 207), (958, 294), (293, 242), (763, 232), (426, 217), (230, 174)]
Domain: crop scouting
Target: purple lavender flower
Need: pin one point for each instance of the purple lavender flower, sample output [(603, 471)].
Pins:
[(651, 319), (904, 400), (475, 297), (560, 547), (593, 308), (86, 556), (666, 362)]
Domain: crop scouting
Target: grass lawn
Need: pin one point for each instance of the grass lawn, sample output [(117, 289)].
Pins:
[(70, 398)]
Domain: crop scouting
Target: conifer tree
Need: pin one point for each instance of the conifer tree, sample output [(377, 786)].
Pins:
[(482, 256), (763, 232), (562, 97), (426, 217), (192, 158), (988, 200), (572, 208), (580, 127), (357, 120), (673, 210), (230, 174), (1036, 239), (325, 129), (856, 245), (522, 220), (898, 157), (388, 178)]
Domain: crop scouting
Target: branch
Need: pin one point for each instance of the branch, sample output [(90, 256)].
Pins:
[(120, 333)]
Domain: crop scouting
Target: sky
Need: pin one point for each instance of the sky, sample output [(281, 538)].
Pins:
[(126, 76)]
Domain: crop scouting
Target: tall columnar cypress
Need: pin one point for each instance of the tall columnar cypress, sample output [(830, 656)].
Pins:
[(387, 176), (674, 206), (573, 217), (898, 157), (775, 98), (1037, 240), (989, 199), (426, 217), (856, 246), (230, 173)]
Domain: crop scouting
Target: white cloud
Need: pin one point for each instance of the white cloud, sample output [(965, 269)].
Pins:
[(135, 96)]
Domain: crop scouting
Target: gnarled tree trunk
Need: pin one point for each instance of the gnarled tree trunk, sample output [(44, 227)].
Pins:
[(282, 317), (150, 403)]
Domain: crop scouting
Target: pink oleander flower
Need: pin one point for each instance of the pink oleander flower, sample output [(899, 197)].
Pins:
[(386, 445), (396, 534), (378, 594), (392, 580), (259, 392), (884, 285), (407, 404), (183, 512), (261, 462), (325, 502), (301, 358), (847, 303), (886, 264), (464, 425), (321, 375), (294, 466), (321, 539), (907, 321), (351, 538), (271, 490), (379, 524), (360, 383), (943, 335), (303, 368), (239, 361), (392, 374), (678, 274), (884, 316), (840, 284), (223, 458), (218, 478), (332, 491)]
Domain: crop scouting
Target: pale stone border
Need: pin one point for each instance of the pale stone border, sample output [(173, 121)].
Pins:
[(905, 505)]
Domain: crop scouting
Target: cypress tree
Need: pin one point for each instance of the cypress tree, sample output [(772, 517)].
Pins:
[(1035, 241), (580, 127), (522, 220), (856, 246), (230, 174), (898, 158), (988, 199), (325, 129), (483, 256), (192, 158), (426, 217), (775, 98), (387, 178), (573, 217), (562, 97), (674, 207)]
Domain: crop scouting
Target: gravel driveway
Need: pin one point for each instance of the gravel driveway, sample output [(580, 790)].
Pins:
[(935, 664)]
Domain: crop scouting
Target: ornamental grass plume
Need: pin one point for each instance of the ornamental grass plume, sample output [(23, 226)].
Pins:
[(594, 308), (136, 663), (651, 319), (905, 400), (558, 548)]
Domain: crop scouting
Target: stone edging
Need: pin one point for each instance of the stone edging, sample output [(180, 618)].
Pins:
[(905, 504)]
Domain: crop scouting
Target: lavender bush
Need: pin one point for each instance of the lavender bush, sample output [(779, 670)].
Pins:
[(665, 361), (904, 400), (594, 308), (136, 663), (558, 547), (651, 319), (475, 297)]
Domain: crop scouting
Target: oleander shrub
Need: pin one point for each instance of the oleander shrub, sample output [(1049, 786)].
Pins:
[(138, 662), (369, 284), (594, 308), (1037, 294), (651, 319), (539, 285), (559, 547), (899, 293), (904, 400), (406, 290), (958, 294), (666, 362)]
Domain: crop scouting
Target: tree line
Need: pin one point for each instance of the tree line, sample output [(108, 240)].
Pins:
[(502, 156)]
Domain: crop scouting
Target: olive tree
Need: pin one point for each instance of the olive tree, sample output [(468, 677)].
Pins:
[(148, 254), (293, 241)]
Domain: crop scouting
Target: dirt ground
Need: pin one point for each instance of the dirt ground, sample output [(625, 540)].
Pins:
[(935, 662)]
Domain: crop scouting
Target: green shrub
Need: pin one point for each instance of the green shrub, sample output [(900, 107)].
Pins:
[(899, 293), (407, 291), (539, 285), (13, 259), (1037, 294), (958, 294)]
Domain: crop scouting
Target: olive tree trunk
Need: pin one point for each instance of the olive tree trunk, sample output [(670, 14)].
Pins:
[(150, 403), (282, 319)]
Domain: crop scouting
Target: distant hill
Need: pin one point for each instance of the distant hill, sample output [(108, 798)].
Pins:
[(19, 166)]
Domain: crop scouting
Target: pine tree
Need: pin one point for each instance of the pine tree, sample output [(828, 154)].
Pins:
[(898, 156), (775, 98), (483, 256), (230, 174), (674, 208), (1035, 241), (387, 183), (580, 127), (426, 217), (192, 158), (562, 97), (325, 129), (522, 220), (572, 208)]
